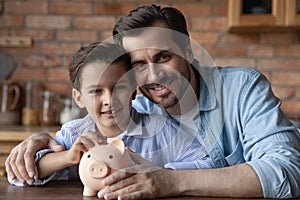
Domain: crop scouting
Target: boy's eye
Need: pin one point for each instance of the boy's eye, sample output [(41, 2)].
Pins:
[(120, 87), (95, 91)]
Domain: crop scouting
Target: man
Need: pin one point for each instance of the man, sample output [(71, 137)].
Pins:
[(234, 110)]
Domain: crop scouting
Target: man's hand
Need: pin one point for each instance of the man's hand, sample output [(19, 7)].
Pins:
[(142, 181), (20, 162)]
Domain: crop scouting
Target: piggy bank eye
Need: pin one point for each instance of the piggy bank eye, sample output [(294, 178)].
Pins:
[(110, 156), (88, 156)]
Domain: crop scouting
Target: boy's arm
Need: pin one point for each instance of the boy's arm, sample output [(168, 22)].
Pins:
[(56, 161), (53, 162)]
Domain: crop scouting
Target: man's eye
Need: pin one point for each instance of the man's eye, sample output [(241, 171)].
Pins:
[(164, 58), (139, 66)]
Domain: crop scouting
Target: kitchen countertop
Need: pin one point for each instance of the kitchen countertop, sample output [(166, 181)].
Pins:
[(17, 133)]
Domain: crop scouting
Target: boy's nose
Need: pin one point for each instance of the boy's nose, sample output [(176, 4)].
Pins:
[(107, 100)]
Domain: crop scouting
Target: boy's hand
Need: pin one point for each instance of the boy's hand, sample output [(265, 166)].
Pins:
[(83, 143), (92, 139), (20, 162)]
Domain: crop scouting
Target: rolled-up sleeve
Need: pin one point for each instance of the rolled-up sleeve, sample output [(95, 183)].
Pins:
[(278, 169), (271, 144)]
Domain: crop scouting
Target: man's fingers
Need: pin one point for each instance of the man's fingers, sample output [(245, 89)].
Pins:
[(25, 165), (115, 187), (115, 177), (8, 168), (29, 165), (130, 188), (55, 146), (132, 196), (14, 163)]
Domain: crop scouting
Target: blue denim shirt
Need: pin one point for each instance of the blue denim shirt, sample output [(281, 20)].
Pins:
[(240, 121)]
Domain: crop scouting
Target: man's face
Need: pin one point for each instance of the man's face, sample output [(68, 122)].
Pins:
[(161, 70)]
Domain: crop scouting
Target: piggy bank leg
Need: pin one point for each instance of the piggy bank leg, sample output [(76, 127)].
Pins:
[(89, 192)]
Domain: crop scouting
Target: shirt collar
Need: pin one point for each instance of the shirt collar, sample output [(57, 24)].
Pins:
[(206, 75)]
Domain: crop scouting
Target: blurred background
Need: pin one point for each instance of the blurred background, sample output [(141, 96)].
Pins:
[(38, 39)]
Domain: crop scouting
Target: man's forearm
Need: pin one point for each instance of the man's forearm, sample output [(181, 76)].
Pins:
[(235, 181)]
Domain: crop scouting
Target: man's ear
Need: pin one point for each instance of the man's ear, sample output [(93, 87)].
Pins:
[(77, 98), (189, 56), (133, 95)]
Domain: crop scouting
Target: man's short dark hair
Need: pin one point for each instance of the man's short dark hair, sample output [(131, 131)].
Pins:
[(146, 16)]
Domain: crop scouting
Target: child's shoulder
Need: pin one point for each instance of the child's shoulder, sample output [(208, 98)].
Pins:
[(78, 125)]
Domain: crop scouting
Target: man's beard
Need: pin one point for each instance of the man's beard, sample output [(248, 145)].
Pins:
[(170, 100), (164, 101)]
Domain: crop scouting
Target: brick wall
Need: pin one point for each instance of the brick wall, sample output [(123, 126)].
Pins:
[(60, 27)]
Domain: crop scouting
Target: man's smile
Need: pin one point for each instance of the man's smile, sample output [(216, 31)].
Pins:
[(157, 89)]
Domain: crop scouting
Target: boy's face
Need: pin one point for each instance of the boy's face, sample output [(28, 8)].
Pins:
[(106, 94), (162, 69)]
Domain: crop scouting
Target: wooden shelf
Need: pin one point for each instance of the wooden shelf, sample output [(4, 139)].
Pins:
[(15, 41), (284, 17), (292, 18)]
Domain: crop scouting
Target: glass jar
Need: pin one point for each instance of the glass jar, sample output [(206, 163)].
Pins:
[(70, 111), (66, 114), (31, 109), (48, 112)]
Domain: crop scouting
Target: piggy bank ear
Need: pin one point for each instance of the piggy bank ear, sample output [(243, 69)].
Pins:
[(119, 144)]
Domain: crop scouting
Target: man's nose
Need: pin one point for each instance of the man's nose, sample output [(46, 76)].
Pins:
[(154, 73)]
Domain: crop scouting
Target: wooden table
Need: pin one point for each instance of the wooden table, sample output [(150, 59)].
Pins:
[(68, 190)]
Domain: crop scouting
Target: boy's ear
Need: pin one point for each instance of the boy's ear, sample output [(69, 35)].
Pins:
[(77, 98)]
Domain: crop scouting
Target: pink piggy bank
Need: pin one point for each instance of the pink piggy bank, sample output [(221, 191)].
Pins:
[(99, 162)]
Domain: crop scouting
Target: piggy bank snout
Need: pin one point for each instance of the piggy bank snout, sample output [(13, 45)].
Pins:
[(98, 169)]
